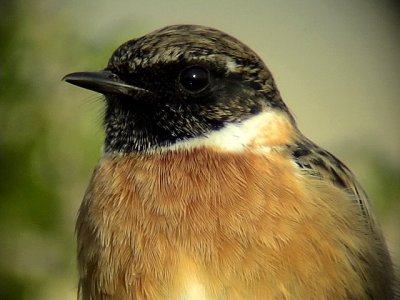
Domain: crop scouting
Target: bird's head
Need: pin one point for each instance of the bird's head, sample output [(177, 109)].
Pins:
[(181, 86)]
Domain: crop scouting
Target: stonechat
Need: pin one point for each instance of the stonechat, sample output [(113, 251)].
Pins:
[(208, 190)]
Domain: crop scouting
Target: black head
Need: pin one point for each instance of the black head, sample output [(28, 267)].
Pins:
[(177, 83)]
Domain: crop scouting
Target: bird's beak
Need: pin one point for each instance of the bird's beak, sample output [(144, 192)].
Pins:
[(104, 82)]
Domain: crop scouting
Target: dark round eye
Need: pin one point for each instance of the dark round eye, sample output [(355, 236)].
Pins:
[(194, 79)]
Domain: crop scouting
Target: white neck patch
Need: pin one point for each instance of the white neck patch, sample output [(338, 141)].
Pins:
[(232, 137)]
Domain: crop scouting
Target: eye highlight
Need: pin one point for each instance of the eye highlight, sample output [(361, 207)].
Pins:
[(194, 79)]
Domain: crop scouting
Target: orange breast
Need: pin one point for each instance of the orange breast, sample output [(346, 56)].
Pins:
[(202, 224)]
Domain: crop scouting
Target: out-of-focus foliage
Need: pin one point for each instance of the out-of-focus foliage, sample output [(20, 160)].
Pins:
[(45, 154), (50, 141), (382, 181)]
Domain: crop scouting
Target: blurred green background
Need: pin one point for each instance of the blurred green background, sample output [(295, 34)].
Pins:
[(336, 63)]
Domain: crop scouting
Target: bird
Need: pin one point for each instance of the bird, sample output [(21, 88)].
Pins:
[(207, 189)]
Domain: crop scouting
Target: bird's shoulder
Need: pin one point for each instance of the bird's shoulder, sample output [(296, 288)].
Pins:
[(319, 163)]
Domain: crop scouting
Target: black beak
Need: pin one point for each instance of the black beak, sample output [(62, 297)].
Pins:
[(104, 82)]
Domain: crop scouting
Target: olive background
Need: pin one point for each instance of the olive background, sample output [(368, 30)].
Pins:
[(336, 64)]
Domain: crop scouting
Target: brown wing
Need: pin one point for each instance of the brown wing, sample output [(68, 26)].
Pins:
[(318, 162)]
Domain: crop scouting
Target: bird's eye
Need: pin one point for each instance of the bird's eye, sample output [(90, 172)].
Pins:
[(194, 79)]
